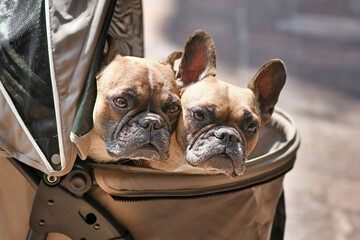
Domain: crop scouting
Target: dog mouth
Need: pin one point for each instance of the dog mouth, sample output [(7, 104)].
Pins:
[(146, 151), (149, 147), (150, 151), (223, 155), (230, 165), (217, 158)]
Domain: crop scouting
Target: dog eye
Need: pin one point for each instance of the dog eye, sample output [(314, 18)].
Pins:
[(175, 108), (252, 128), (199, 115), (120, 102)]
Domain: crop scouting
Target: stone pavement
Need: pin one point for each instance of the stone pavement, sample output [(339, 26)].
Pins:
[(320, 45)]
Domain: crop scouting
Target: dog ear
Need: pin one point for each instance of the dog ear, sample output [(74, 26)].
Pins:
[(103, 67), (199, 59), (266, 85), (170, 60)]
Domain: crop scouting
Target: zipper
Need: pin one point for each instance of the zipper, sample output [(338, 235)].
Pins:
[(195, 197)]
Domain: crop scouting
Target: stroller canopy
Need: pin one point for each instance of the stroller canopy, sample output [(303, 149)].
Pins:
[(50, 53)]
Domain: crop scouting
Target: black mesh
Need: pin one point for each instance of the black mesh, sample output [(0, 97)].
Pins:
[(25, 71)]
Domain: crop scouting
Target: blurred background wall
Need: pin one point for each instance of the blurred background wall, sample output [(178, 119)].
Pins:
[(319, 41)]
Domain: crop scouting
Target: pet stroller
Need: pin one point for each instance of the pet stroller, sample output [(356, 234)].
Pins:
[(50, 52)]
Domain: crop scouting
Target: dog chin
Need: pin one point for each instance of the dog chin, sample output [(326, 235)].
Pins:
[(145, 152), (222, 163)]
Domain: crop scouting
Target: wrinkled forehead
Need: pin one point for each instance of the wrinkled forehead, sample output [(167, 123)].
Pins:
[(161, 79), (227, 98), (205, 92), (137, 74)]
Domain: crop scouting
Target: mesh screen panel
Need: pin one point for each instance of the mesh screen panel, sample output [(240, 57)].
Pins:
[(25, 72)]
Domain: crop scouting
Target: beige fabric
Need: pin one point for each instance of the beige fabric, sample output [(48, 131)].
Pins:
[(57, 236), (246, 214), (16, 198)]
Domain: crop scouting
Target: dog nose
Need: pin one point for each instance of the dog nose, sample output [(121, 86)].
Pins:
[(150, 122), (227, 135)]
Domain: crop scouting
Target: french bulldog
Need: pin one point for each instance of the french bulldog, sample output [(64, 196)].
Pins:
[(135, 112), (219, 123)]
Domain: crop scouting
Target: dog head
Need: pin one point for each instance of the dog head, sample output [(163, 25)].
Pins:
[(219, 123), (136, 110)]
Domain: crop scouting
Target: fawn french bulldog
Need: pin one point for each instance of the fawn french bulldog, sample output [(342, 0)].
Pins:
[(219, 123), (136, 110)]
